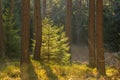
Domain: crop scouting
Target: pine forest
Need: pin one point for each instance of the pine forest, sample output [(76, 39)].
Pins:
[(59, 39)]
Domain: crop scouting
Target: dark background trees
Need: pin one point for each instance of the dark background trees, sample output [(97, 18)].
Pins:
[(79, 24), (111, 30)]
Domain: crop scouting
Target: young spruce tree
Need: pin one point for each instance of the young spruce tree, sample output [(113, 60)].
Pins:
[(12, 38), (54, 43)]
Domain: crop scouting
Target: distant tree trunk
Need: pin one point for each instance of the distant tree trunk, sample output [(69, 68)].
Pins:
[(2, 42), (91, 34), (25, 58), (79, 13), (38, 25), (68, 21), (44, 9), (80, 2), (99, 41), (12, 6)]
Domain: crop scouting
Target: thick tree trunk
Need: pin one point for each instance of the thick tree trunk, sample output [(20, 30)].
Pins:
[(91, 34), (25, 31), (99, 41), (38, 25), (2, 40), (68, 21)]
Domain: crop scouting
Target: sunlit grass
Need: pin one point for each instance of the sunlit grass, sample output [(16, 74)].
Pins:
[(11, 71)]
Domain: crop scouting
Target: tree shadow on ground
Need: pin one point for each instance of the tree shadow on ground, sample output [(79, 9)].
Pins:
[(28, 72), (49, 71)]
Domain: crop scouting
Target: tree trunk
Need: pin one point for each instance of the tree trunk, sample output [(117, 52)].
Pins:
[(38, 25), (99, 41), (68, 21), (91, 34), (12, 6), (44, 9), (2, 40), (25, 31)]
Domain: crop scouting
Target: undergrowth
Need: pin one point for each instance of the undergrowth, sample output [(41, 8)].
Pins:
[(10, 70)]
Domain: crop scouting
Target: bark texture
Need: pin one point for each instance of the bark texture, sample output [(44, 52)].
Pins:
[(99, 41), (91, 34), (25, 31), (38, 25), (68, 21)]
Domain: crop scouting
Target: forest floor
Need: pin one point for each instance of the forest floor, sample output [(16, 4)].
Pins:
[(80, 54), (10, 69)]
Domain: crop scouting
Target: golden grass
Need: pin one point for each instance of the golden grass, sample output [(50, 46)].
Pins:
[(11, 71)]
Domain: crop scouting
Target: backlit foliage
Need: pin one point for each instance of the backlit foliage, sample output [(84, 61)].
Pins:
[(54, 43)]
